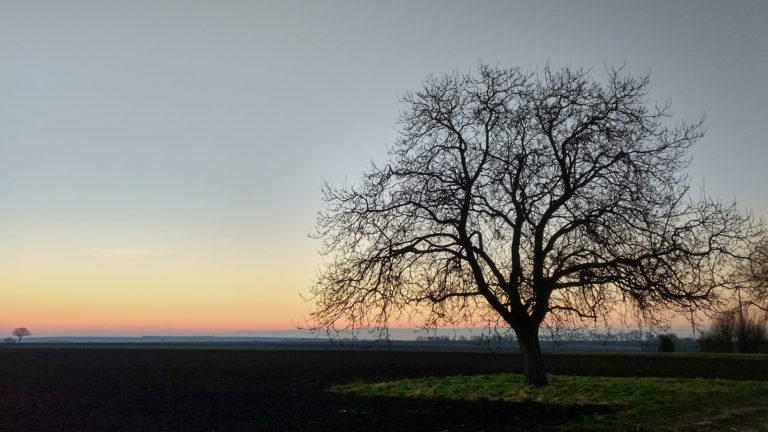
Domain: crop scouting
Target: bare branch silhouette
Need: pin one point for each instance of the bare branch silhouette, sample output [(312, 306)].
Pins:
[(525, 196)]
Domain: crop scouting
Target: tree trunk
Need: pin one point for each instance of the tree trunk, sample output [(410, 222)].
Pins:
[(533, 365)]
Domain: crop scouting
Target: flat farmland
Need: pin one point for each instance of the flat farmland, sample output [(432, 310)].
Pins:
[(219, 388)]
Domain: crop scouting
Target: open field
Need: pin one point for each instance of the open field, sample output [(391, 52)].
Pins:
[(212, 388)]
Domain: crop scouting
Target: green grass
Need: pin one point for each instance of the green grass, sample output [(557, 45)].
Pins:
[(635, 401), (681, 354)]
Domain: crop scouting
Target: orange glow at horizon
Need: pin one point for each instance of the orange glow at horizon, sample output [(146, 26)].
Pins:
[(145, 292), (151, 294)]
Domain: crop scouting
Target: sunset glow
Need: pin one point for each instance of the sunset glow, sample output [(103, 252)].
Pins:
[(151, 294), (161, 162)]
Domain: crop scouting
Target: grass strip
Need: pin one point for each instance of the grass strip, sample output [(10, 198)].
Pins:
[(635, 400)]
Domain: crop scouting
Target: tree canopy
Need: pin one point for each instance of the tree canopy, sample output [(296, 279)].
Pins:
[(525, 197), (21, 332), (751, 277)]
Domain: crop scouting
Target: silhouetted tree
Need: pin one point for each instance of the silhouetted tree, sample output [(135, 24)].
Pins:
[(751, 332), (721, 334), (745, 329), (21, 332), (521, 197)]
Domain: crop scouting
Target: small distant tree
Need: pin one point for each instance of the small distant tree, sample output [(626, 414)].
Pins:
[(9, 340), (21, 333)]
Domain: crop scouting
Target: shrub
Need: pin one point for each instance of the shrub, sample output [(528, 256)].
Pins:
[(666, 343), (710, 343)]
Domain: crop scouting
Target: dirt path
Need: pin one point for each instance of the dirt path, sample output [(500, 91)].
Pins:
[(750, 418)]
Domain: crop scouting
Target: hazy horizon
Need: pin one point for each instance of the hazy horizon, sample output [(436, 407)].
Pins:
[(396, 333), (161, 162)]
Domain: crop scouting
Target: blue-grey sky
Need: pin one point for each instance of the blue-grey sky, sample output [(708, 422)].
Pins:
[(167, 137)]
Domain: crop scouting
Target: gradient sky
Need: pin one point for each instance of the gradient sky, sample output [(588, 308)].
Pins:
[(161, 161)]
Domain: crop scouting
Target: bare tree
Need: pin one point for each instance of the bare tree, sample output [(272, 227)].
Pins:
[(753, 277), (751, 332), (722, 332), (21, 332), (743, 326), (523, 196)]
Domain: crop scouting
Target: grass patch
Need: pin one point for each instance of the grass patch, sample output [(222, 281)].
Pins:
[(636, 401)]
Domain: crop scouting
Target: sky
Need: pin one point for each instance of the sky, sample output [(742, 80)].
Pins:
[(161, 162)]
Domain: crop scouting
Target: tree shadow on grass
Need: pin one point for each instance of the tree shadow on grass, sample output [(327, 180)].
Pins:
[(270, 409), (348, 412)]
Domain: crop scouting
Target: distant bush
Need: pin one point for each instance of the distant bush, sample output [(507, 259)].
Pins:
[(710, 343), (666, 343), (9, 340)]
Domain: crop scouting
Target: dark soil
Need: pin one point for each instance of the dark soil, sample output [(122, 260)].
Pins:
[(97, 389)]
